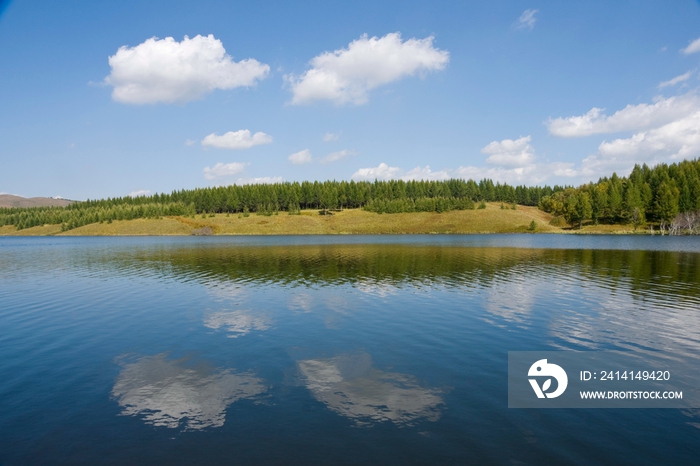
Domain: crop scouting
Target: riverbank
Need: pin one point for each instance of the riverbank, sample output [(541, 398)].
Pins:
[(493, 219)]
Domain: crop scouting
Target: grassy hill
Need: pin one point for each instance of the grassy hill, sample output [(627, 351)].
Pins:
[(493, 219), (9, 200)]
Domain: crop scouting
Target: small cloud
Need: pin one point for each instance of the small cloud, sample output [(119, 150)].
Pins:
[(190, 142), (514, 153), (301, 157), (71, 145), (663, 49), (140, 192), (223, 169), (693, 47), (330, 137), (425, 173), (385, 172), (527, 20), (678, 79), (261, 180), (335, 156), (236, 140), (380, 172)]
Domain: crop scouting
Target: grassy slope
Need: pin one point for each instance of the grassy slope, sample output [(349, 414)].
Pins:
[(355, 221)]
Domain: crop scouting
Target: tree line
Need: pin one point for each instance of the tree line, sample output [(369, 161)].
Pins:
[(666, 195), (292, 197)]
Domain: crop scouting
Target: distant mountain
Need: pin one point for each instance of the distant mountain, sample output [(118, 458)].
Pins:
[(8, 200)]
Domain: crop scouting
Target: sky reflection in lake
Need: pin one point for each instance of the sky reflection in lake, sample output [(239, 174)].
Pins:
[(187, 350), (166, 393)]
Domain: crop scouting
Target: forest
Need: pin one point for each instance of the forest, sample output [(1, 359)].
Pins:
[(665, 196)]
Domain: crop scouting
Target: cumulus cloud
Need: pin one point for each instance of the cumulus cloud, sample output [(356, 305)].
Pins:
[(513, 161), (301, 157), (335, 156), (385, 172), (234, 140), (260, 180), (140, 192), (678, 79), (330, 137), (223, 169), (510, 152), (528, 175), (676, 140), (425, 173), (509, 161), (527, 20), (347, 75), (679, 139), (693, 47), (380, 172), (630, 118), (164, 70), (667, 131), (190, 142)]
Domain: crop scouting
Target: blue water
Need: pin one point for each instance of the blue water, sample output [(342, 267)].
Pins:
[(331, 350)]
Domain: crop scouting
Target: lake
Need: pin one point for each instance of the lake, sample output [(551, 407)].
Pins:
[(332, 350)]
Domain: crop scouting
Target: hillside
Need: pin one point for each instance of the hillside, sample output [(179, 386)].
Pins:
[(493, 219), (9, 200)]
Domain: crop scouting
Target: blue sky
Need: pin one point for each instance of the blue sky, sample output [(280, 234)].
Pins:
[(521, 92)]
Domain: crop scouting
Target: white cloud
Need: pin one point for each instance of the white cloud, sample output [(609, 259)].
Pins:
[(509, 161), (261, 180), (516, 153), (630, 118), (190, 142), (140, 192), (330, 137), (347, 75), (240, 139), (385, 172), (301, 157), (693, 47), (527, 20), (335, 156), (530, 174), (380, 172), (678, 79), (425, 173), (164, 70), (223, 169), (514, 162), (679, 139)]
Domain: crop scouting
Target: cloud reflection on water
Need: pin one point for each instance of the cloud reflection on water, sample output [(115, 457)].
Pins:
[(351, 387), (236, 323), (165, 393)]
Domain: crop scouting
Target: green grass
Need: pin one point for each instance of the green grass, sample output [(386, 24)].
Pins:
[(492, 219)]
